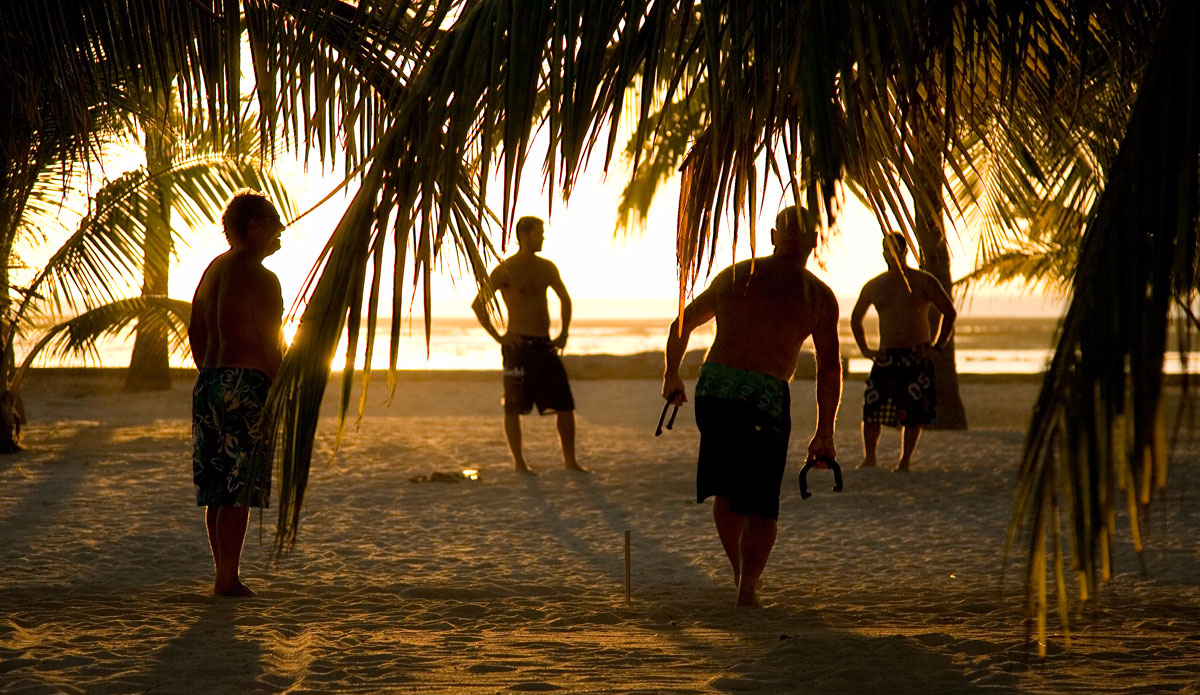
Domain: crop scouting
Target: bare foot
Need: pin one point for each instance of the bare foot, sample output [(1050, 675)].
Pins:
[(747, 600), (901, 467), (748, 595), (237, 588), (868, 463), (524, 469), (576, 468)]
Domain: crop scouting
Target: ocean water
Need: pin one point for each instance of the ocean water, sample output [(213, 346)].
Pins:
[(983, 346)]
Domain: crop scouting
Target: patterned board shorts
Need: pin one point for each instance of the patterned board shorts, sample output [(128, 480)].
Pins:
[(900, 390), (534, 375), (231, 458), (745, 423)]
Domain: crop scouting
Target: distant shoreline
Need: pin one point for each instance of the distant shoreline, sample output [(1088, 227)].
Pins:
[(183, 376)]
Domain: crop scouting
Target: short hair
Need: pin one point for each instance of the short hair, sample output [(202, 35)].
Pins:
[(527, 224), (244, 206), (797, 220), (898, 243)]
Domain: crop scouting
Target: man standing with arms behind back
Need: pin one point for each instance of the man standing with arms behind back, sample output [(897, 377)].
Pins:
[(900, 391), (533, 372), (236, 342), (765, 309)]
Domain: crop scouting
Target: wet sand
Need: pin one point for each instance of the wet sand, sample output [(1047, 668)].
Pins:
[(517, 584)]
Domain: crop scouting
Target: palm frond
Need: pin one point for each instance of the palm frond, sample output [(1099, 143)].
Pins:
[(1098, 419), (78, 336), (109, 243)]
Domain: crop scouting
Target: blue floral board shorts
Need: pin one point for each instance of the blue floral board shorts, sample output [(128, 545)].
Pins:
[(231, 458), (745, 423)]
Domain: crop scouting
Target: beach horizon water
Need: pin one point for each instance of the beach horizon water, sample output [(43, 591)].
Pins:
[(989, 345)]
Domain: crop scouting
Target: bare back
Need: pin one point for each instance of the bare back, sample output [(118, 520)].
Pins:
[(764, 318), (523, 282), (237, 315)]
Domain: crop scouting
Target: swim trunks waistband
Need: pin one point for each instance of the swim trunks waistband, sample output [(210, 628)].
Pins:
[(768, 394), (905, 351)]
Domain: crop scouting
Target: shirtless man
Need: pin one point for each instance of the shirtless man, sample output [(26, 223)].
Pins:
[(533, 372), (235, 339), (900, 390), (742, 397)]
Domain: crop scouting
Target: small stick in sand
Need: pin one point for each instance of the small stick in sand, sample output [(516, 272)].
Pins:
[(628, 600)]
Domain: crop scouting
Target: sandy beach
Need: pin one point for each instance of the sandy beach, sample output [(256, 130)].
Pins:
[(517, 584)]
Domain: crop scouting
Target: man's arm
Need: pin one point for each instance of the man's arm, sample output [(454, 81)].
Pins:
[(197, 326), (698, 312), (479, 306), (941, 301), (857, 314), (829, 378), (197, 331), (268, 319), (564, 301)]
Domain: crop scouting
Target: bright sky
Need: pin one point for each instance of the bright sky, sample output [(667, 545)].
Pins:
[(630, 275), (609, 276)]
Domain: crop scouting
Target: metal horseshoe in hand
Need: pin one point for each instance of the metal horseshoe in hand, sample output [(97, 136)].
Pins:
[(663, 416), (833, 465)]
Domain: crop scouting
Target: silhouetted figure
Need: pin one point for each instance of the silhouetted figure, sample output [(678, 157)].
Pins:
[(235, 338), (743, 405), (901, 391), (533, 372)]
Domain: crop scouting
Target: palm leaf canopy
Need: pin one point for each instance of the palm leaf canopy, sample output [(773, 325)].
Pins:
[(78, 336), (814, 93), (434, 99)]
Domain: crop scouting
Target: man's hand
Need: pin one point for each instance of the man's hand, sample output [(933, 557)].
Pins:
[(870, 353), (560, 343), (509, 339), (673, 389), (821, 446), (927, 352)]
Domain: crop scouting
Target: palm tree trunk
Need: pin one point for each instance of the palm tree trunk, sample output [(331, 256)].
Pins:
[(935, 259), (16, 179), (10, 410), (149, 366)]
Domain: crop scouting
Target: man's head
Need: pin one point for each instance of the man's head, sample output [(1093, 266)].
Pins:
[(795, 231), (895, 248), (251, 221), (531, 232)]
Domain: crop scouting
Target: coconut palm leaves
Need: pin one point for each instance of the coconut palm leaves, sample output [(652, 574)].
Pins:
[(433, 100), (103, 259), (886, 99), (78, 336), (1096, 443)]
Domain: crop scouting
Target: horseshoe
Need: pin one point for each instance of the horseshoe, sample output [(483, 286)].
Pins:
[(833, 465), (663, 416)]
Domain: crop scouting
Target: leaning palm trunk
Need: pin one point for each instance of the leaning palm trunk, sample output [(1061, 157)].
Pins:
[(1096, 443)]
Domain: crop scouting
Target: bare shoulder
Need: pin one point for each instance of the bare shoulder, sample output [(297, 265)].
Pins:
[(547, 267), (821, 295), (210, 278), (929, 282), (736, 273), (248, 274), (872, 286), (500, 273)]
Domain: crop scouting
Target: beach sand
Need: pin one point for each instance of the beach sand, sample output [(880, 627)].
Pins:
[(517, 584)]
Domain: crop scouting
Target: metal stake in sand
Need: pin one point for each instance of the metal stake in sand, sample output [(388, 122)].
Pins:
[(628, 600)]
